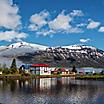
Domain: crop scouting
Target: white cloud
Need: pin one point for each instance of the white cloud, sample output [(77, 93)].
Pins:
[(38, 20), (84, 40), (11, 35), (9, 17), (11, 2), (45, 32), (61, 22), (101, 29), (33, 27), (93, 24), (51, 32), (76, 13), (75, 30), (43, 24), (81, 25)]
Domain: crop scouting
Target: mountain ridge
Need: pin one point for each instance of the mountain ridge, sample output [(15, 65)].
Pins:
[(79, 55)]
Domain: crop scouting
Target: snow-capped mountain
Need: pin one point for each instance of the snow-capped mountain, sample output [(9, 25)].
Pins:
[(20, 48), (79, 55), (78, 47), (27, 45)]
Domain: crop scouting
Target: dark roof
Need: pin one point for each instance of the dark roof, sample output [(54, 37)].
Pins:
[(25, 66)]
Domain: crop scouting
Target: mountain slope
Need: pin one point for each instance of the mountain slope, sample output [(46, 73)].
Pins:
[(20, 48), (80, 55)]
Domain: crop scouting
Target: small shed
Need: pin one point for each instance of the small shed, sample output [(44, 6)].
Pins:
[(25, 67)]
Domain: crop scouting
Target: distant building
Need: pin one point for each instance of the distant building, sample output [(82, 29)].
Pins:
[(61, 71), (26, 68), (83, 71)]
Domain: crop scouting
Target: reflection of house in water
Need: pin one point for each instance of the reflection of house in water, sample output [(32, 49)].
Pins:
[(59, 89), (66, 80), (43, 85)]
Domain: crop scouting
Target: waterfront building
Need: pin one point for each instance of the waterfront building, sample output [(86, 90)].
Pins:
[(45, 69), (40, 69)]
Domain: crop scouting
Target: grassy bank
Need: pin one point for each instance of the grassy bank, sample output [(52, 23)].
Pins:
[(19, 76), (81, 77), (90, 77)]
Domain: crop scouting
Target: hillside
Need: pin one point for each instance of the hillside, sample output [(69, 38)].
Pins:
[(79, 55)]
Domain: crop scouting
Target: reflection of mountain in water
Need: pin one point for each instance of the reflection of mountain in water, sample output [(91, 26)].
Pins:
[(53, 90)]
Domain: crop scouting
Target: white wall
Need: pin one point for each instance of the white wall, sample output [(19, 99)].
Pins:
[(43, 69), (0, 73)]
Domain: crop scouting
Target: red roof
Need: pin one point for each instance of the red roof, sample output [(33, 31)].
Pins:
[(59, 69), (39, 65)]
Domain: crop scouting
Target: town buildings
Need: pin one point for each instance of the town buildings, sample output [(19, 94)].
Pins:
[(44, 69)]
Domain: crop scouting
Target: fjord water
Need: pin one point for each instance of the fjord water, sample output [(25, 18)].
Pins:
[(51, 91)]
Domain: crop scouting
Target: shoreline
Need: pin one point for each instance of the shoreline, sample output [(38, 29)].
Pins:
[(17, 77), (77, 77), (90, 77)]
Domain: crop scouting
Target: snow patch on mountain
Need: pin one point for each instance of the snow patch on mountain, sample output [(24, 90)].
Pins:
[(79, 47), (20, 48), (27, 45)]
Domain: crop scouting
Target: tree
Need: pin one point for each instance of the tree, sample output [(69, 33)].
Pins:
[(74, 69), (5, 69), (21, 71), (1, 69), (13, 66)]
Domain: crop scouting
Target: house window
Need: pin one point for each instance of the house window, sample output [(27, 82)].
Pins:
[(66, 72), (45, 70)]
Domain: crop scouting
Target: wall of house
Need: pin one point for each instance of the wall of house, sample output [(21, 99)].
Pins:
[(0, 72), (45, 71), (64, 73)]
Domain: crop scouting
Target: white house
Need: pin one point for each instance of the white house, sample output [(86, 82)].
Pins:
[(40, 69)]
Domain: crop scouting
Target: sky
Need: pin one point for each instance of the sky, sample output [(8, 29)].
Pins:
[(52, 22)]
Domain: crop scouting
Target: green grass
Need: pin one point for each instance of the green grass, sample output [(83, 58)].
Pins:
[(90, 76), (10, 75), (30, 76)]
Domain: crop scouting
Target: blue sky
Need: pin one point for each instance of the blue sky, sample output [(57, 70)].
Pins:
[(52, 22)]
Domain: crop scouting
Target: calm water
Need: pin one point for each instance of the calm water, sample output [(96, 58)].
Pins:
[(52, 91)]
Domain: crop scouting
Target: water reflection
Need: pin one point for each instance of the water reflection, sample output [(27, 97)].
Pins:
[(51, 91)]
